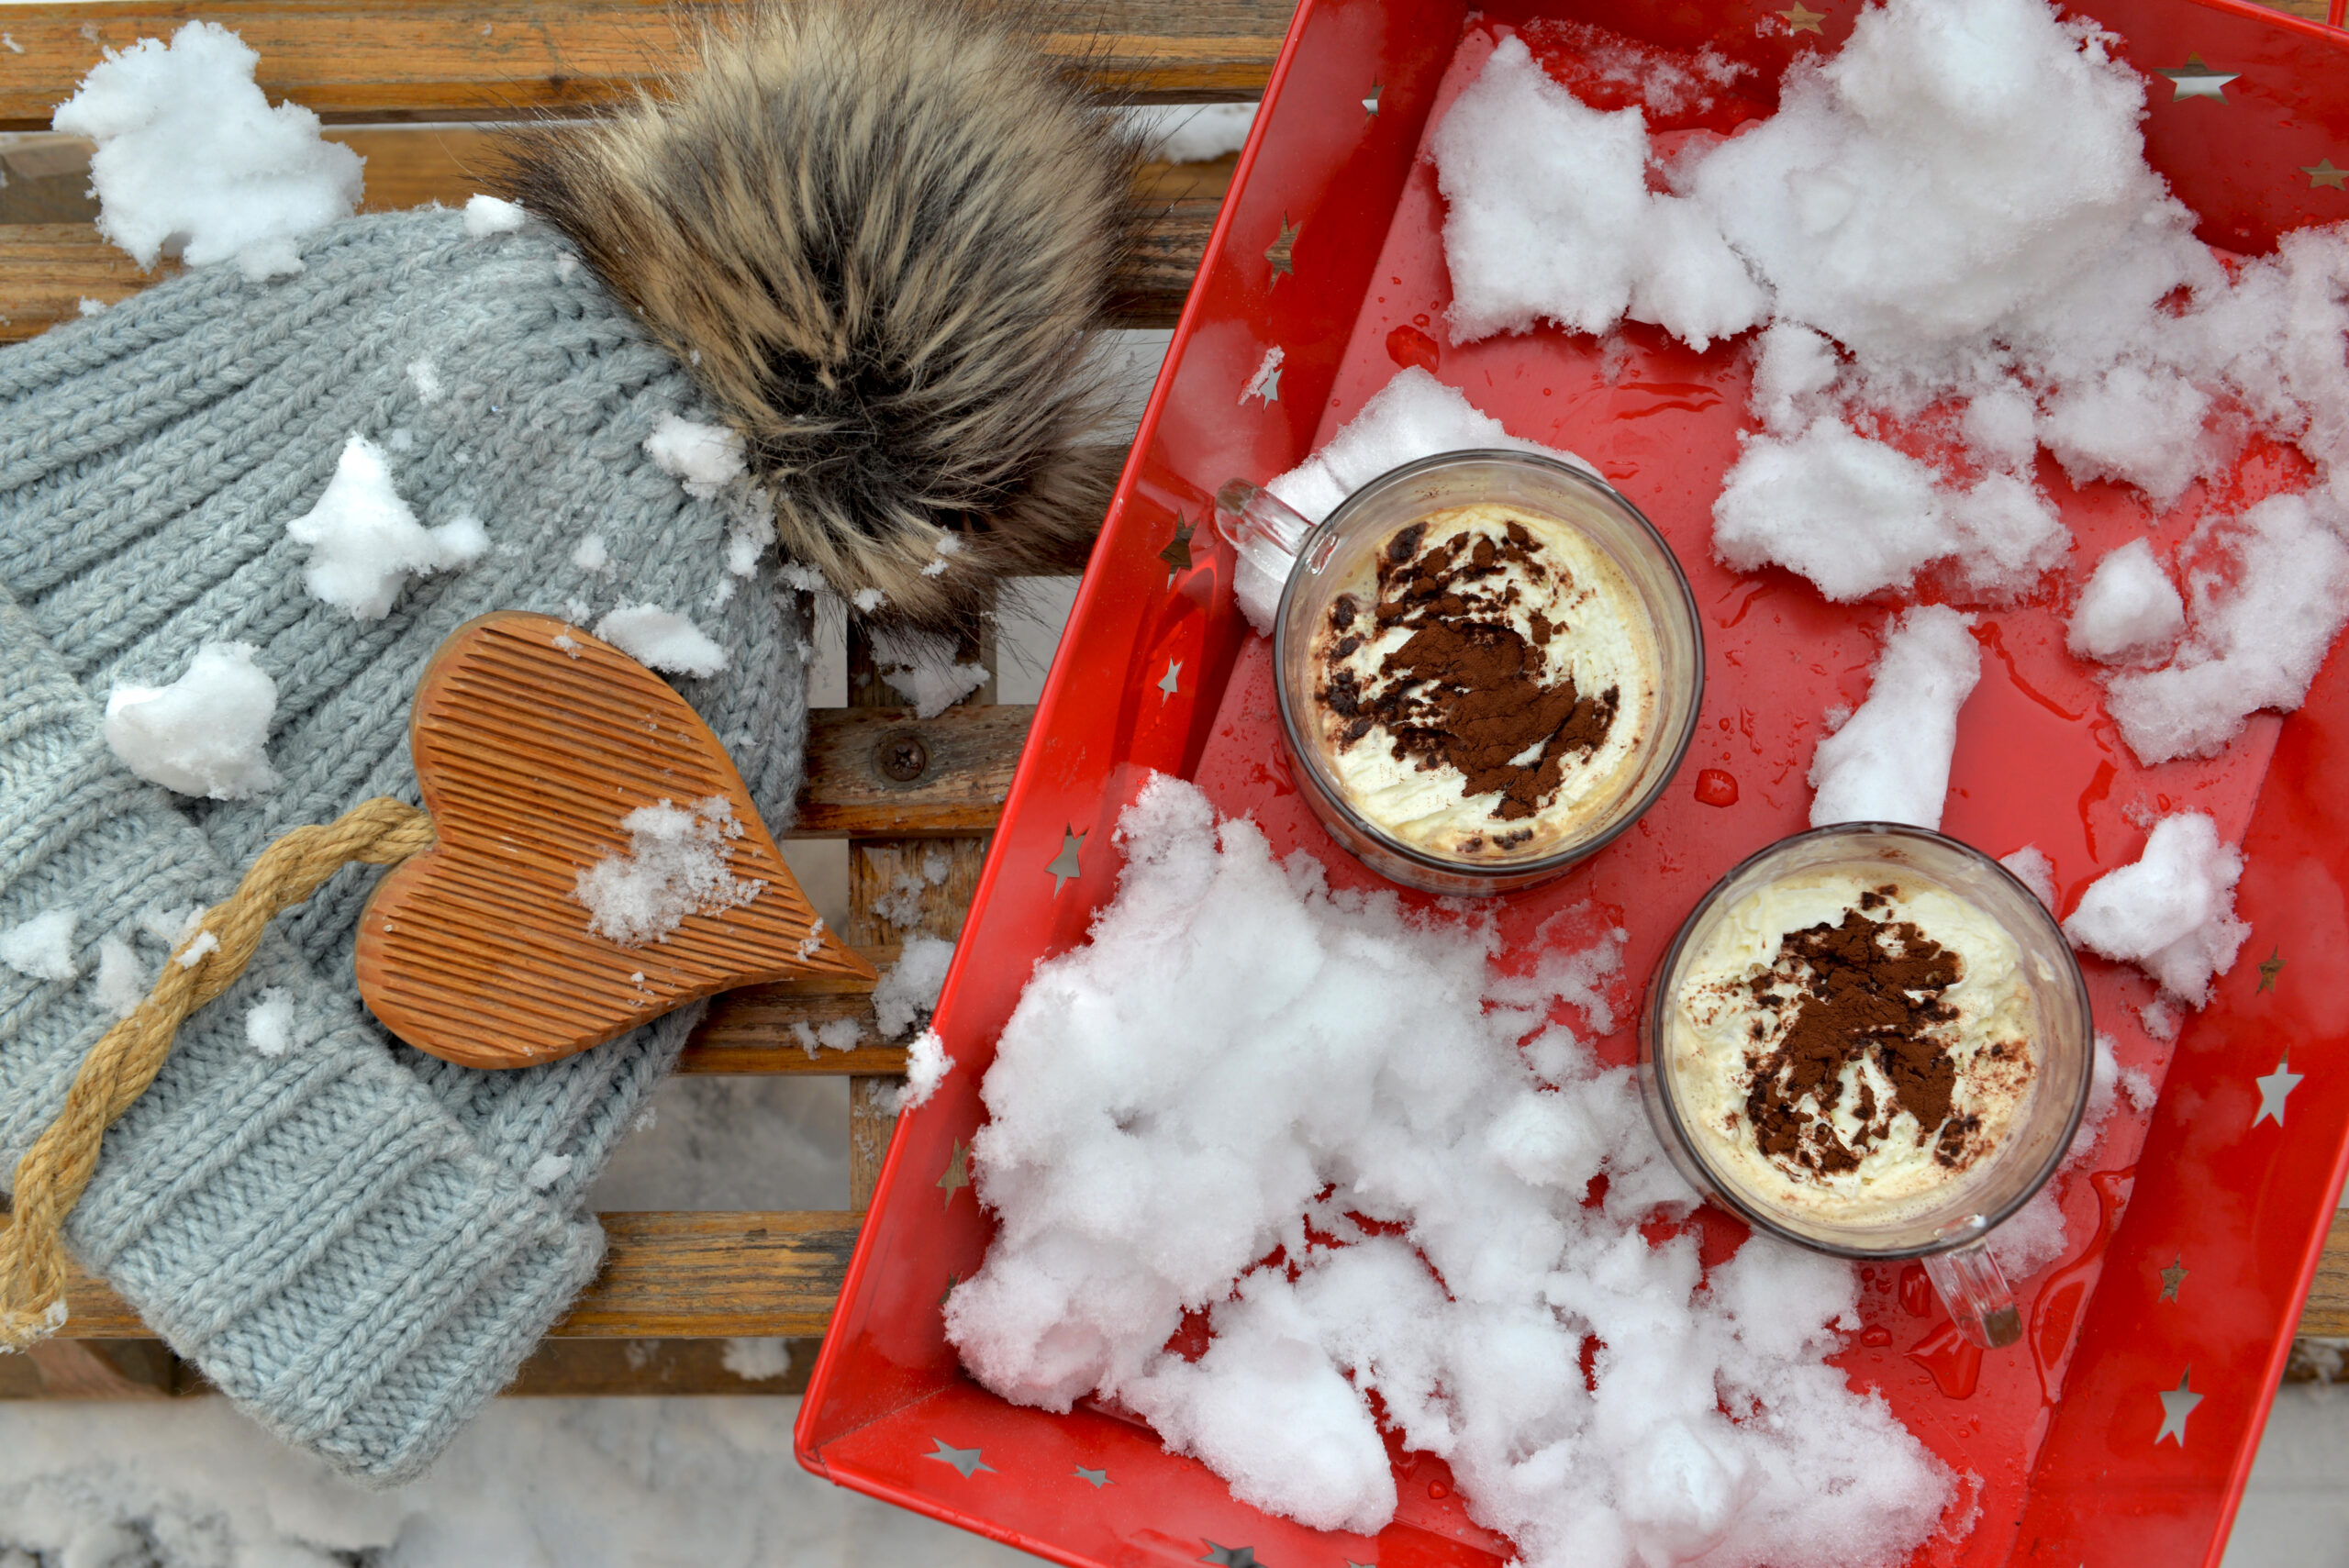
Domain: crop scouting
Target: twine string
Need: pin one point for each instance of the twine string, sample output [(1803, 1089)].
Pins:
[(117, 1069)]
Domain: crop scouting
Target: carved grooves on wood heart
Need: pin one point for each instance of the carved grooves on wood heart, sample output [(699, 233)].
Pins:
[(530, 758)]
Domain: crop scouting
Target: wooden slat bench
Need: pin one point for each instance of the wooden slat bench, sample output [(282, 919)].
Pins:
[(406, 82)]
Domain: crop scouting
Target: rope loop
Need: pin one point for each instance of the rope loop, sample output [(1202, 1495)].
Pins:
[(54, 1172)]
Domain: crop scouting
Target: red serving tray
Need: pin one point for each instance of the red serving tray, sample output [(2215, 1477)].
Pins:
[(2058, 1440)]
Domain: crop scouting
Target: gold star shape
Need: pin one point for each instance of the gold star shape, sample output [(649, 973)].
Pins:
[(2171, 1277), (957, 1175), (1166, 684), (1282, 253), (2176, 1404), (1232, 1556), (2196, 80), (2272, 1088), (1096, 1479), (2325, 174), (1371, 102), (1800, 20), (2274, 965), (1177, 553), (1065, 867)]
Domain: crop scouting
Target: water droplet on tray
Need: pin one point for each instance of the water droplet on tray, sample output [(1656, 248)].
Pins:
[(1716, 786), (1408, 346)]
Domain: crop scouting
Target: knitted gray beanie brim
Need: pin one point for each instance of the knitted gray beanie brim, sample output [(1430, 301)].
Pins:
[(357, 1243)]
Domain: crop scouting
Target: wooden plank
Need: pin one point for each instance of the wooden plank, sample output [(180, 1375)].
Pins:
[(146, 1369), (460, 60), (753, 1030), (664, 1276), (47, 269), (713, 1276), (409, 165), (2326, 1315), (881, 771)]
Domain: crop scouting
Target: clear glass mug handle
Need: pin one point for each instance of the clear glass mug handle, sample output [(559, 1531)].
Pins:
[(1267, 533), (1975, 1293)]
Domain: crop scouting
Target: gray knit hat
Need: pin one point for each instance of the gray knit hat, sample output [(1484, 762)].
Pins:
[(345, 1238), (867, 236)]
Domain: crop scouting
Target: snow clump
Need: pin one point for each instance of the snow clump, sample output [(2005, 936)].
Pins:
[(927, 1065), (1241, 1059), (365, 541), (121, 982), (2172, 913), (269, 1022), (663, 639), (909, 993), (205, 733), (1890, 762), (42, 947), (191, 159), (757, 1360), (2031, 867), (1191, 133), (2264, 614), (2129, 610), (920, 667), (486, 216), (677, 866), (705, 458)]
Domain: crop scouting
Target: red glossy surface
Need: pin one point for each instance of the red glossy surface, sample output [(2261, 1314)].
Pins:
[(2055, 1437)]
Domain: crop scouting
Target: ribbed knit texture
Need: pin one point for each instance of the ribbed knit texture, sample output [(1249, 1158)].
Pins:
[(343, 1237)]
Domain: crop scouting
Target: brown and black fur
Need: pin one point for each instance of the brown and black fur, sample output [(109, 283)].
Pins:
[(880, 231)]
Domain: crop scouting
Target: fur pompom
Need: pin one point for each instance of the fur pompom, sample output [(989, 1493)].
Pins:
[(880, 231)]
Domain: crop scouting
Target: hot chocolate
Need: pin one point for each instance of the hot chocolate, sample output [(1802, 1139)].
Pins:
[(1852, 1043), (1484, 684)]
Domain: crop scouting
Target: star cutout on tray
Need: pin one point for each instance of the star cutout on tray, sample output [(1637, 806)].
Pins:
[(1096, 1479), (2325, 174), (1177, 553), (1800, 20), (1065, 867), (1232, 1556), (1282, 253), (2176, 1404), (1167, 682), (965, 1460), (2171, 1277), (2196, 80), (1371, 102), (2273, 964), (953, 1279), (2272, 1088), (1269, 386), (957, 1174)]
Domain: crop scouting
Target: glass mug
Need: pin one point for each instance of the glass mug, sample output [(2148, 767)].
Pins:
[(1947, 1231), (1309, 564)]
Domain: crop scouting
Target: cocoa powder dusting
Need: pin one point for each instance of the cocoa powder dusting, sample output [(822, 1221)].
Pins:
[(1465, 688), (1862, 990)]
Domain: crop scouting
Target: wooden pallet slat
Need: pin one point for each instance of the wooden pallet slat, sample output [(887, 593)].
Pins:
[(465, 59)]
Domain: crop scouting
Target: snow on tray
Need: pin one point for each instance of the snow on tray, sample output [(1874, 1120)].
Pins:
[(365, 541), (2129, 609), (2172, 913), (1241, 1059), (193, 161), (205, 733), (676, 865), (1948, 227), (1890, 762)]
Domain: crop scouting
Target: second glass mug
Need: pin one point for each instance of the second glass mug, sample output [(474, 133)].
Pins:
[(1949, 1236)]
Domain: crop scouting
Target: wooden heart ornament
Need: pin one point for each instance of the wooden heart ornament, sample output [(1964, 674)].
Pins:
[(540, 751)]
